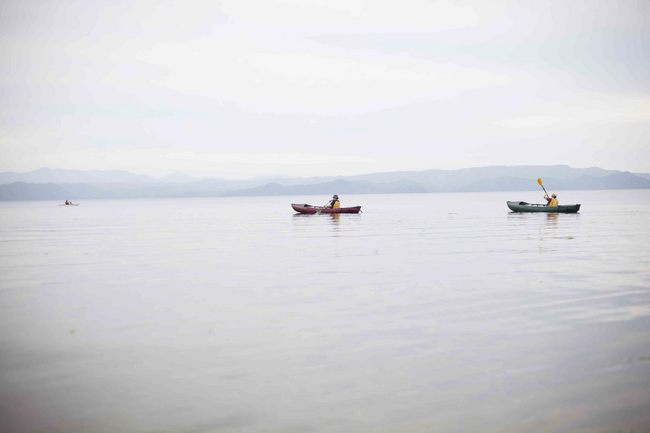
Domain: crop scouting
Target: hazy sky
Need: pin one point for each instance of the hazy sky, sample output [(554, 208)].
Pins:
[(298, 87)]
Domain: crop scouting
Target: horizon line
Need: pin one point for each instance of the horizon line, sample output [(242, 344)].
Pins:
[(262, 176)]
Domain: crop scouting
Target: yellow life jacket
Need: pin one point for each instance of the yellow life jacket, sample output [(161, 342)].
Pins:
[(553, 203), (336, 204)]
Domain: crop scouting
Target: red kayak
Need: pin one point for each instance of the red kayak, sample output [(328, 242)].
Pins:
[(309, 209)]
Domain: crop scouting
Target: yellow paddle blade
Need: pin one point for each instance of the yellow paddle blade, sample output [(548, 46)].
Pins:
[(539, 181)]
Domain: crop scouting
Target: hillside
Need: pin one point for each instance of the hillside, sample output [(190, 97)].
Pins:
[(51, 184)]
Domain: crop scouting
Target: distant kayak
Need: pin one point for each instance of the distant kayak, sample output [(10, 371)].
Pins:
[(522, 206), (70, 204), (309, 209)]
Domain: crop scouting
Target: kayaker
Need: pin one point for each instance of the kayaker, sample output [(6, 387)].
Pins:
[(67, 202), (334, 203), (551, 201)]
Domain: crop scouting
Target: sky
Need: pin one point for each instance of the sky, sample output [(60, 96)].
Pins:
[(238, 88)]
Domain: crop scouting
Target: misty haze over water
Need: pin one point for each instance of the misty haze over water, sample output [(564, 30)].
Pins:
[(426, 312)]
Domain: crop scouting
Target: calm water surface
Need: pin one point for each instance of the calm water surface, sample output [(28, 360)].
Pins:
[(428, 312)]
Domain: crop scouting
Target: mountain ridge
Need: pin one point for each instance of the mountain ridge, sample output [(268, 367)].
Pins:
[(115, 184)]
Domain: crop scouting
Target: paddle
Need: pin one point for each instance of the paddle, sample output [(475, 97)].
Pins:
[(539, 181)]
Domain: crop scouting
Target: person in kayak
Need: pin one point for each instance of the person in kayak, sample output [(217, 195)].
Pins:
[(67, 202), (334, 203), (551, 201)]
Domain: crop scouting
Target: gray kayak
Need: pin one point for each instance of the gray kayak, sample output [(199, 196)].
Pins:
[(522, 206)]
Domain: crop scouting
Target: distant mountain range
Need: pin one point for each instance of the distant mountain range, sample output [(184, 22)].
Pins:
[(60, 184), (56, 175)]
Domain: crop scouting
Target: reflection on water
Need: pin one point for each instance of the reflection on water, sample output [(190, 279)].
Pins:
[(209, 315), (552, 218), (548, 225)]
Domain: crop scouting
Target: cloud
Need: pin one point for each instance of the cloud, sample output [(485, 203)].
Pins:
[(583, 112), (268, 158), (273, 85), (358, 16)]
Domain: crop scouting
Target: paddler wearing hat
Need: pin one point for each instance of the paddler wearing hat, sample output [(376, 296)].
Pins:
[(334, 203), (551, 201)]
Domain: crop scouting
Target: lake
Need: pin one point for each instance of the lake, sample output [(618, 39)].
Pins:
[(426, 312)]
